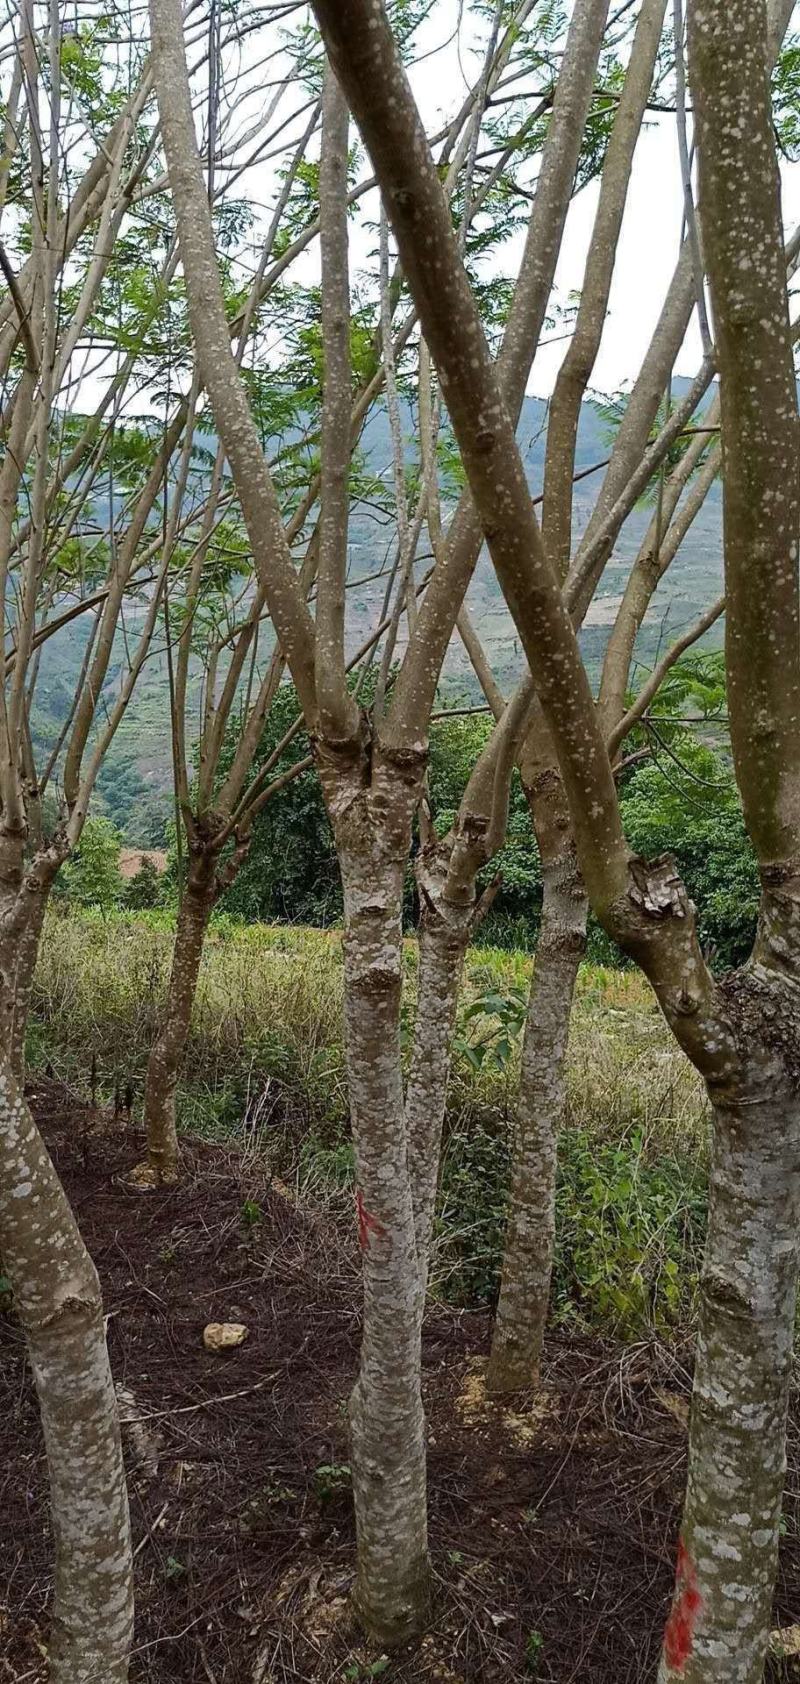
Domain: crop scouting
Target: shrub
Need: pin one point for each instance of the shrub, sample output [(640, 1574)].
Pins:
[(91, 877), (143, 892)]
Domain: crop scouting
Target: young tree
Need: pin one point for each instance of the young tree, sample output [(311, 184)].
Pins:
[(739, 1033), (372, 775), (522, 1307), (91, 877), (64, 237)]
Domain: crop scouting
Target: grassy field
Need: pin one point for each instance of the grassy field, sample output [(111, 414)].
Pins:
[(266, 1067)]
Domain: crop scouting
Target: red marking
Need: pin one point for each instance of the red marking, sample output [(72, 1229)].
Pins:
[(679, 1635), (367, 1224)]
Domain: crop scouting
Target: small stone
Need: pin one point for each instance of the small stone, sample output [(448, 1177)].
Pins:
[(224, 1335)]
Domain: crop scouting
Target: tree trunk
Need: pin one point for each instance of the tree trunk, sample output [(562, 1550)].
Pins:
[(386, 1417), (12, 867), (23, 902), (57, 1298), (167, 1052), (530, 1235), (24, 967), (720, 1621), (445, 929)]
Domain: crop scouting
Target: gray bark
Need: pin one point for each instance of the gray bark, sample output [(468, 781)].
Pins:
[(167, 1052), (386, 1417), (444, 935), (528, 1258), (720, 1621), (24, 895), (57, 1297)]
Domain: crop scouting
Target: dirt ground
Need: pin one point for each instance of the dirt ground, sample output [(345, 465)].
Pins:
[(552, 1527)]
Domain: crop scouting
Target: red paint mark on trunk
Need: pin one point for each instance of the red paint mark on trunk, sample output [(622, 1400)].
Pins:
[(367, 1224), (679, 1635)]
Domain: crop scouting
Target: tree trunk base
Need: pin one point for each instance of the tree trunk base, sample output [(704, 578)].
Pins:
[(147, 1176), (408, 1622), (508, 1376)]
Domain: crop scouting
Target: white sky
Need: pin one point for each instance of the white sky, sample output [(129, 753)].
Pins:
[(645, 261), (651, 231), (650, 238)]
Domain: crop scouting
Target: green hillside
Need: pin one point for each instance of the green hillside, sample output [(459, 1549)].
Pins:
[(136, 780)]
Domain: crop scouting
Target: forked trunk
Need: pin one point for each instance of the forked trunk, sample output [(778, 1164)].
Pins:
[(386, 1417), (168, 1050), (57, 1297), (720, 1621), (530, 1234)]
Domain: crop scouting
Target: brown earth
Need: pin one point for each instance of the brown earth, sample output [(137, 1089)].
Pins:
[(131, 861), (552, 1525)]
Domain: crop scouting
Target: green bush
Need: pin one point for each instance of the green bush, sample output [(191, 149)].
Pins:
[(630, 1228), (696, 815), (91, 878), (144, 891)]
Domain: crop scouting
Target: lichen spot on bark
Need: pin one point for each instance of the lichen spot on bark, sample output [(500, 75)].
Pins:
[(679, 1635)]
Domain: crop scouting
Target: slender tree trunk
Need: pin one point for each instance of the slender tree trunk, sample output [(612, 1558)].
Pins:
[(386, 1417), (530, 1237), (720, 1621), (27, 954), (444, 935), (57, 1297), (12, 867), (167, 1053), (23, 902)]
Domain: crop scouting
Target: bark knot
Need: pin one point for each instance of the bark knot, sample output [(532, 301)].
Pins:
[(656, 888), (763, 1007)]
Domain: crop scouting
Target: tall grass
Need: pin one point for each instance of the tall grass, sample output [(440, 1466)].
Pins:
[(266, 1064)]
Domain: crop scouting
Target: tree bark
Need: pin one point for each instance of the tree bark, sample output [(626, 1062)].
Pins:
[(24, 895), (386, 1417), (12, 866), (57, 1298), (444, 935), (24, 966), (167, 1052), (720, 1621), (371, 797), (530, 1238), (447, 873)]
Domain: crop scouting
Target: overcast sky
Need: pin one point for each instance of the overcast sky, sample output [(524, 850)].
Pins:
[(651, 230), (650, 237)]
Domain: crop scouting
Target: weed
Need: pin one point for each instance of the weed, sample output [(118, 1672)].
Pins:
[(330, 1479), (359, 1671), (266, 1065), (630, 1227), (534, 1645)]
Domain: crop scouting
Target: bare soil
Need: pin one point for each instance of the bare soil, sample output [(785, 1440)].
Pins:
[(552, 1524)]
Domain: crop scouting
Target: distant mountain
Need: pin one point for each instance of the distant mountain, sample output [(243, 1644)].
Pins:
[(693, 581), (135, 786)]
